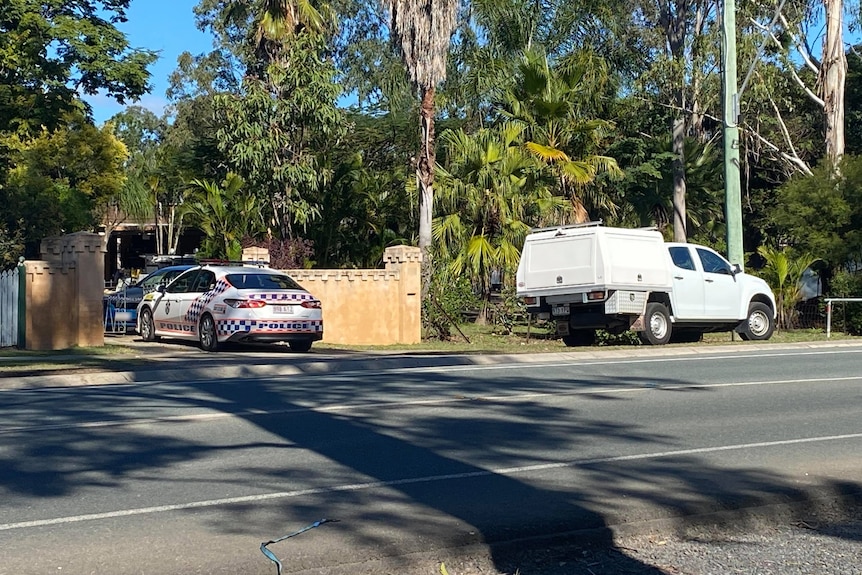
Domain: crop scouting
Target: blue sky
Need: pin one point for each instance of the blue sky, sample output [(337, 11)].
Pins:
[(165, 26)]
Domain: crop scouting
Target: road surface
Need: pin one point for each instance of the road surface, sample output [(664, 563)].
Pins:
[(192, 476)]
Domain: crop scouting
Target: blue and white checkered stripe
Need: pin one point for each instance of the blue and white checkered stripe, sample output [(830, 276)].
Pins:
[(197, 306), (282, 296), (229, 327)]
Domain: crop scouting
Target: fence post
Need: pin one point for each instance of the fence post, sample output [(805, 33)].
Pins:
[(22, 303)]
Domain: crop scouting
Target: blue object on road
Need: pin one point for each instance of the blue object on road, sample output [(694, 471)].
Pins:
[(271, 556)]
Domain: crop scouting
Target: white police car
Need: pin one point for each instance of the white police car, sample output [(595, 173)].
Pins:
[(214, 304)]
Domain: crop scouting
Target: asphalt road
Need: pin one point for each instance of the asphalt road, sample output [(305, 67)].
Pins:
[(191, 476)]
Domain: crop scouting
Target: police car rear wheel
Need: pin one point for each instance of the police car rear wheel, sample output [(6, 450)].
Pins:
[(301, 346), (207, 333)]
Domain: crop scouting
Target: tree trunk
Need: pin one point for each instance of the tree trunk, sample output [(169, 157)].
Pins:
[(679, 216), (425, 178), (672, 15), (833, 74)]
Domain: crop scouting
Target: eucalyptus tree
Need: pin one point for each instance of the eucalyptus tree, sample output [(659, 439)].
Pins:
[(275, 128), (422, 31), (790, 32)]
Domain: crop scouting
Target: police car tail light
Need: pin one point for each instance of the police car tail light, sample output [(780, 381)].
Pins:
[(245, 303), (311, 304)]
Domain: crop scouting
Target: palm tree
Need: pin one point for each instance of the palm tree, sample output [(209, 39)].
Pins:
[(549, 103), (421, 31), (225, 213), (488, 198), (783, 273)]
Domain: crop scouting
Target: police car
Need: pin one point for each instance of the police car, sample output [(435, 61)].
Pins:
[(215, 304)]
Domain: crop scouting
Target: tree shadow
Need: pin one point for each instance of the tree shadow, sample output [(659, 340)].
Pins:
[(480, 469)]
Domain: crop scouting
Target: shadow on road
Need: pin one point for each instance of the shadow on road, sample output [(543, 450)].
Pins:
[(481, 465)]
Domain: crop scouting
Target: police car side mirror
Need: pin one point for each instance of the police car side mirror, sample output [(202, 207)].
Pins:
[(161, 288)]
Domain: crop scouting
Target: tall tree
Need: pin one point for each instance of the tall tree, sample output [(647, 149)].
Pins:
[(421, 31), (52, 51), (62, 181)]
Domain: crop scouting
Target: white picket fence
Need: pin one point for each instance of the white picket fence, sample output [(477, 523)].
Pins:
[(9, 308)]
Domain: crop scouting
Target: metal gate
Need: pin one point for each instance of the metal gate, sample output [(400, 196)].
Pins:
[(11, 293)]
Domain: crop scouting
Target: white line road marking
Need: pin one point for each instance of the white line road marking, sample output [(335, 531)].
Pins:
[(414, 480)]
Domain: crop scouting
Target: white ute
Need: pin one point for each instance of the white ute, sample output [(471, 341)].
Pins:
[(588, 276)]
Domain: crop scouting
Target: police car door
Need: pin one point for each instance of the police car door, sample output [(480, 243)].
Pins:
[(166, 311), (191, 303)]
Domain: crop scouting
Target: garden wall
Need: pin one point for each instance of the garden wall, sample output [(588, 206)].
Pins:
[(370, 307), (63, 302)]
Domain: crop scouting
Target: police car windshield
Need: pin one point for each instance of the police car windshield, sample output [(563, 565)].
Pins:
[(262, 281)]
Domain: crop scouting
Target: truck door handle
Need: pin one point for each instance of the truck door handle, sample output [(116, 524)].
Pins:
[(709, 281), (677, 277)]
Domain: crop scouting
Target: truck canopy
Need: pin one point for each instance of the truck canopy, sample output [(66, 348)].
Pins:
[(570, 257)]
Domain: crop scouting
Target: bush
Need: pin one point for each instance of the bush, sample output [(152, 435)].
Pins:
[(847, 316), (285, 254), (448, 300), (509, 312)]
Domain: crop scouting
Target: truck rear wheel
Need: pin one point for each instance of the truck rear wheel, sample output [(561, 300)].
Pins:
[(658, 326), (580, 337), (759, 324)]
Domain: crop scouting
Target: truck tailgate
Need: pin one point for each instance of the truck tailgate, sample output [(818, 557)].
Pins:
[(560, 261)]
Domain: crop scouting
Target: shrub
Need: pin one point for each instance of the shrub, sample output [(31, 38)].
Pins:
[(847, 315), (448, 301)]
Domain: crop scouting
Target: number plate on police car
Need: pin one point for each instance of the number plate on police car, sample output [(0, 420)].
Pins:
[(560, 309), (282, 308)]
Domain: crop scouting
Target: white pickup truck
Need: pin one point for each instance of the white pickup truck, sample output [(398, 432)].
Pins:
[(588, 276)]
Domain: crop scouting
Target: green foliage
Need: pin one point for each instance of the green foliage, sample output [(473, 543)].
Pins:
[(11, 246), (509, 312), (847, 315), (646, 191), (552, 104), (276, 131), (627, 337), (783, 272), (822, 214), (487, 200), (226, 214), (448, 299), (50, 51), (62, 180)]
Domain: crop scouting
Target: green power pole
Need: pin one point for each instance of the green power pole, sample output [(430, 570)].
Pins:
[(732, 185)]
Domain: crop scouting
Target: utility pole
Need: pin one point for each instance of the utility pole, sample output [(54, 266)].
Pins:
[(732, 185)]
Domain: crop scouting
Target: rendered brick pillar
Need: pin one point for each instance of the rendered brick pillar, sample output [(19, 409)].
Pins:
[(408, 261), (80, 260)]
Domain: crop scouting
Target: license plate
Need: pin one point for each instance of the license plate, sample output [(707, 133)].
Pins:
[(282, 309), (560, 309)]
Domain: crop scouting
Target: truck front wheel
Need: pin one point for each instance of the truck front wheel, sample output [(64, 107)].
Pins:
[(759, 324), (658, 326)]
